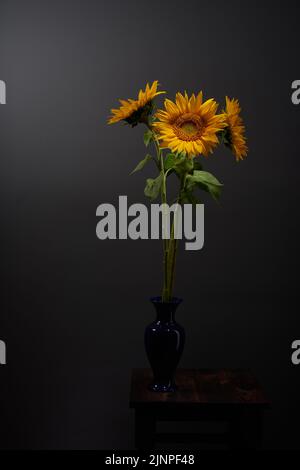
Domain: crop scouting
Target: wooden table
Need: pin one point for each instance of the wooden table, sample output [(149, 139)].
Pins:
[(233, 397)]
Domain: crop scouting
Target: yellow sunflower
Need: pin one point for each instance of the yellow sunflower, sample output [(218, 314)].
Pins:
[(235, 131), (189, 125), (135, 111)]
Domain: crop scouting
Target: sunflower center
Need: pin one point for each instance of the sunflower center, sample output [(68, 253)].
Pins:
[(188, 127)]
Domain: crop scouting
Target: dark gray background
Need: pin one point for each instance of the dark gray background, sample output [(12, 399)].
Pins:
[(74, 308)]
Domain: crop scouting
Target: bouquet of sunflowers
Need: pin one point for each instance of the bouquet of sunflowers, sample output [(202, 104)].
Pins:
[(184, 130)]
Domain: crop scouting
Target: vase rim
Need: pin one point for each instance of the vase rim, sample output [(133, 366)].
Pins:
[(173, 301)]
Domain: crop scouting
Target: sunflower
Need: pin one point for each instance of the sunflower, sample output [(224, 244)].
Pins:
[(188, 125), (235, 130), (135, 111)]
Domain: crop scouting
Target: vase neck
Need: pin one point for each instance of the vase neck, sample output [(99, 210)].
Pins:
[(165, 315), (165, 311)]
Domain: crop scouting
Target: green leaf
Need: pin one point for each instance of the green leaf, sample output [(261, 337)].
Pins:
[(182, 164), (188, 197), (169, 161), (205, 177), (215, 191), (142, 163), (205, 181), (148, 137), (197, 165), (153, 186), (224, 137), (179, 163)]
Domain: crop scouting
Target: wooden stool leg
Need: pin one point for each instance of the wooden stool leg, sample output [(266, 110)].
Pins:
[(236, 432), (246, 430), (145, 427), (255, 420)]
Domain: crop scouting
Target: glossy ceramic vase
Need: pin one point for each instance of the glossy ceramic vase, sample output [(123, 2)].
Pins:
[(164, 343)]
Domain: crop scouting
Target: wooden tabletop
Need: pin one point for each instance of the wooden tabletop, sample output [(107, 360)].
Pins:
[(200, 387)]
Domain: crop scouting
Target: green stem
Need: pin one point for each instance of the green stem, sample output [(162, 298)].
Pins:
[(173, 246), (160, 164), (165, 241), (169, 246), (173, 255)]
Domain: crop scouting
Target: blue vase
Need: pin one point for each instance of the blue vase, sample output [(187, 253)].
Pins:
[(164, 343)]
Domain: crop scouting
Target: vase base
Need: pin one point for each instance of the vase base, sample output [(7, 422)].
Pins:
[(163, 388)]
